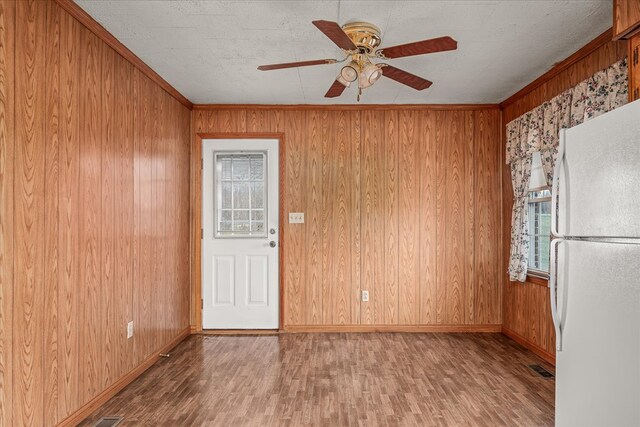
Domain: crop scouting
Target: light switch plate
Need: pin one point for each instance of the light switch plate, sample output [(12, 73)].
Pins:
[(296, 217), (130, 330)]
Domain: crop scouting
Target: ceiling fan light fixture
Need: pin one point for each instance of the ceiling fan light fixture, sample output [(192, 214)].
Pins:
[(348, 73), (369, 74)]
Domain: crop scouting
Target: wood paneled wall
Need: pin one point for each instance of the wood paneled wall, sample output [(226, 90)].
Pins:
[(94, 161), (404, 203), (527, 315)]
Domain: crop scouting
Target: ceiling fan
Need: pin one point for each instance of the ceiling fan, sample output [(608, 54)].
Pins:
[(359, 41)]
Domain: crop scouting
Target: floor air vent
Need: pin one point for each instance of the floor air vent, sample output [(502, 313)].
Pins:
[(541, 371), (108, 422)]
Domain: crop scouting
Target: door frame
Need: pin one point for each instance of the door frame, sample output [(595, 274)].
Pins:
[(196, 219)]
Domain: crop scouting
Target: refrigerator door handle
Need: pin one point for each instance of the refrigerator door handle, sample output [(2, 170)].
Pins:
[(553, 275), (554, 185)]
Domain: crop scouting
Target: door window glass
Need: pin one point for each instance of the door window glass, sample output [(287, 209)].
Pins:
[(241, 191)]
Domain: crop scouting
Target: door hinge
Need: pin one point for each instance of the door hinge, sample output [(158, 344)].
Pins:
[(202, 233), (201, 164), (635, 56), (201, 303)]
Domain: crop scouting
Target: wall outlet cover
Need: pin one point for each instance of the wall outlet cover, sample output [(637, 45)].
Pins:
[(365, 296), (130, 330)]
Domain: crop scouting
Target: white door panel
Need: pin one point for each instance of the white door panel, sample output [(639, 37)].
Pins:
[(598, 368), (240, 234), (600, 176)]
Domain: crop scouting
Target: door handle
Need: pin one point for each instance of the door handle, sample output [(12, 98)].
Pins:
[(273, 243), (553, 276), (554, 186)]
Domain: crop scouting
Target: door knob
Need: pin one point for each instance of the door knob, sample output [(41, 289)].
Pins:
[(272, 243)]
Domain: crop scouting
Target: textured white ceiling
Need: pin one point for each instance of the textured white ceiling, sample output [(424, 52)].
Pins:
[(209, 50)]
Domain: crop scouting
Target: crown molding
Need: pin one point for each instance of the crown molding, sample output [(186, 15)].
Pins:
[(92, 25), (561, 66)]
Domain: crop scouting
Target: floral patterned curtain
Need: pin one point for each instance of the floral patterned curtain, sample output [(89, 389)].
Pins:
[(539, 130)]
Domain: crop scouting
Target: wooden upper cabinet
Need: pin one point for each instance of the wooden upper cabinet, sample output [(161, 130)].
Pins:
[(626, 18)]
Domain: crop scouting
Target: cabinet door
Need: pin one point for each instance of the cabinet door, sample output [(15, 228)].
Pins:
[(626, 17), (634, 68)]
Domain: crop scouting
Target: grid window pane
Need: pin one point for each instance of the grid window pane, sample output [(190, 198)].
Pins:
[(240, 194), (539, 230)]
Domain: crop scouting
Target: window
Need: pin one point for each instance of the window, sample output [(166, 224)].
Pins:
[(241, 194), (539, 231)]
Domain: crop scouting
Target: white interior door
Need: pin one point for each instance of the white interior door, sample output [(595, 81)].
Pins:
[(240, 194)]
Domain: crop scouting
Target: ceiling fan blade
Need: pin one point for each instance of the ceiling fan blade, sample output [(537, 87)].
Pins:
[(335, 33), (296, 64), (405, 78), (335, 90), (439, 44)]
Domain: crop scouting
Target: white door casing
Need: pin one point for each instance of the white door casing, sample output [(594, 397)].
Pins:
[(240, 221)]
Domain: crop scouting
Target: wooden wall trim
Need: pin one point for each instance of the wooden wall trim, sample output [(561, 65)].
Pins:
[(347, 107), (92, 25), (558, 68), (393, 328), (539, 351), (84, 411)]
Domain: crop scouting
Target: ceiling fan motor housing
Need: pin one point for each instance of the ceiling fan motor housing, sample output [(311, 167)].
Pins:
[(364, 35)]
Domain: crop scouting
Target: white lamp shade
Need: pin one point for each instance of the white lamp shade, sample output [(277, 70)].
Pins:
[(537, 179)]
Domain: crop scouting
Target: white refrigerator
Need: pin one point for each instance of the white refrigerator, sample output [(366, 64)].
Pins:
[(595, 271)]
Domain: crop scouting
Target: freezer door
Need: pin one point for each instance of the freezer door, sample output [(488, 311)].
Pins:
[(598, 368), (599, 180)]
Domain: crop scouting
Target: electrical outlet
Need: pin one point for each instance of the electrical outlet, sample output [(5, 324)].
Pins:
[(130, 330), (365, 296), (296, 217)]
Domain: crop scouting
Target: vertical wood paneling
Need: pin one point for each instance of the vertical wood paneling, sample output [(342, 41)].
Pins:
[(313, 217), (295, 234), (442, 163), (391, 206), (51, 274), (391, 217), (487, 222), (124, 210), (328, 244), (342, 222), (67, 233), (354, 172), (108, 296), (372, 206), (409, 208), (68, 216), (454, 218), (427, 219), (91, 356), (7, 150), (29, 213), (470, 171)]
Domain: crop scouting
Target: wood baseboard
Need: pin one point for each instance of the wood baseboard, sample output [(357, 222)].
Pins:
[(238, 332), (534, 348), (84, 411), (392, 328)]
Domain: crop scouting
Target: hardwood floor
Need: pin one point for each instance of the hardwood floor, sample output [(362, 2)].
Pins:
[(340, 379)]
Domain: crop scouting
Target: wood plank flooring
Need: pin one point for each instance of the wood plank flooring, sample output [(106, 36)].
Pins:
[(340, 379)]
